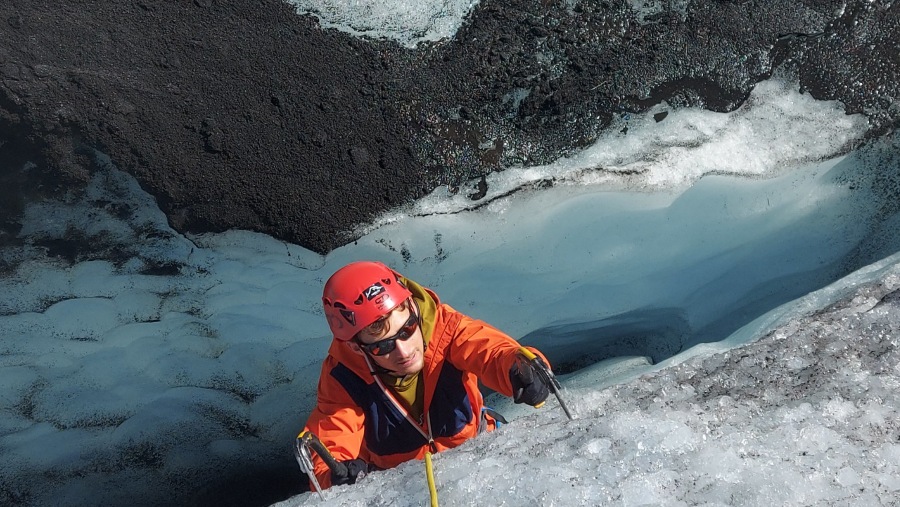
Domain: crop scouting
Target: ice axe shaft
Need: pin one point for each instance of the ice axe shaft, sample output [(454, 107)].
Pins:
[(304, 459), (547, 376), (308, 441), (315, 444)]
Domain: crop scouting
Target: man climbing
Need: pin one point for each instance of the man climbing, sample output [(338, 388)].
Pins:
[(401, 376)]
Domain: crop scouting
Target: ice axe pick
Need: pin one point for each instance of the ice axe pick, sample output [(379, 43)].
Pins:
[(546, 375)]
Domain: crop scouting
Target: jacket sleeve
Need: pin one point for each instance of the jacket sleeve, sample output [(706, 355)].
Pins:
[(485, 351), (337, 421)]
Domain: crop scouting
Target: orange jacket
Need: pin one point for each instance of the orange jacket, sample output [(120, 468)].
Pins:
[(357, 417)]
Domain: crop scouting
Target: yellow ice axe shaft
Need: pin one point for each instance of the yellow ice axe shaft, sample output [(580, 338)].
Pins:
[(547, 376)]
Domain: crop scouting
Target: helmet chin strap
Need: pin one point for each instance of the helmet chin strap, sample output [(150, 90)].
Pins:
[(375, 367)]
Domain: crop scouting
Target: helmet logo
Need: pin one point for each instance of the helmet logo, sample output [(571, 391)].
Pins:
[(374, 290)]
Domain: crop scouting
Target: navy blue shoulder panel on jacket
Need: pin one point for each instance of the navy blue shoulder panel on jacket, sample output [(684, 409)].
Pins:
[(450, 408)]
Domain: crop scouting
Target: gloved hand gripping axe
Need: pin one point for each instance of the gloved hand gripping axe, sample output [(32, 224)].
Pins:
[(547, 376), (303, 447)]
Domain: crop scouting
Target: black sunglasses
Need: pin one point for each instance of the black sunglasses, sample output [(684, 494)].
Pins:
[(387, 345)]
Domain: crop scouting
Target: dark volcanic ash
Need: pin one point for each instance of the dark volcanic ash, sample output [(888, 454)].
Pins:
[(251, 116)]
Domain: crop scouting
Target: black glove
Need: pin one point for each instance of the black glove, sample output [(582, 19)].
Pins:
[(356, 468), (528, 386)]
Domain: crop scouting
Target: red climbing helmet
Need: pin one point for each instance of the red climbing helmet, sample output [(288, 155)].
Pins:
[(358, 294)]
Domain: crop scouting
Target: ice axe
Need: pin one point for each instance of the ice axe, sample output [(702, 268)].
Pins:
[(546, 375), (307, 442)]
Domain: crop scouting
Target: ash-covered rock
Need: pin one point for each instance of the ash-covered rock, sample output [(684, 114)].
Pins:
[(251, 116)]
